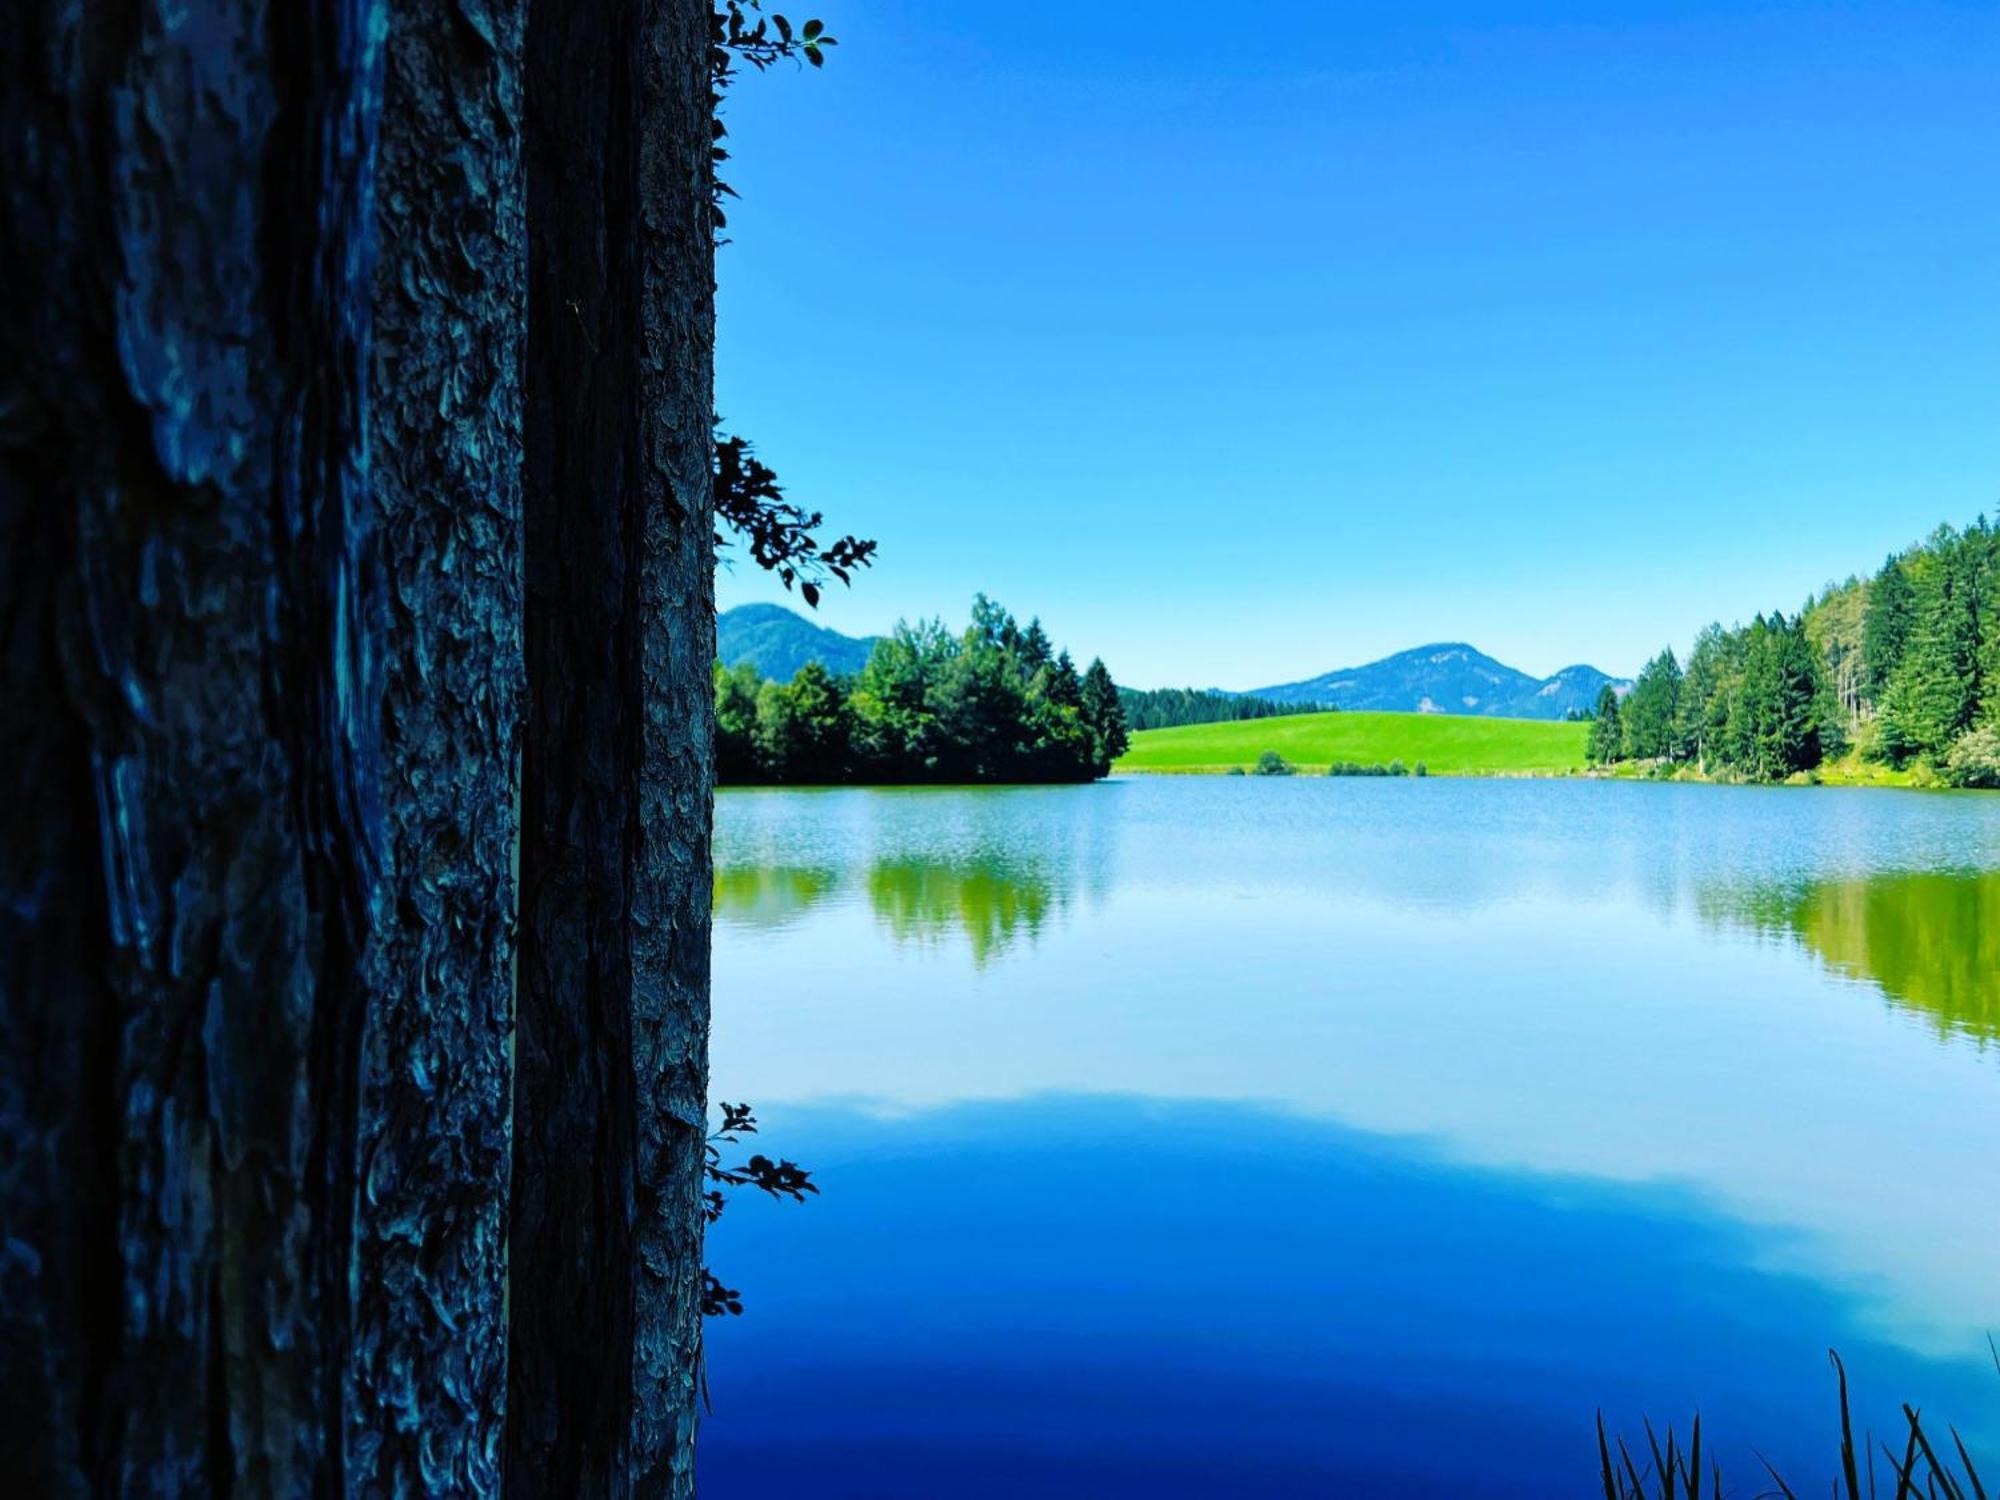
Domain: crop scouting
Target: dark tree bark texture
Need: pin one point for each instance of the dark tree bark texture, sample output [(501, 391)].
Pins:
[(617, 767), (189, 866), (445, 423), (316, 639)]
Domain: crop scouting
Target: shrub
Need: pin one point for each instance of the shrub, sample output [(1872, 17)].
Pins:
[(1235, 770), (1270, 763), (1422, 769), (1975, 759), (1397, 768)]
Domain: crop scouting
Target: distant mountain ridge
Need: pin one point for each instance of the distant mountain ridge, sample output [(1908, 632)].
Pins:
[(778, 642), (1450, 677)]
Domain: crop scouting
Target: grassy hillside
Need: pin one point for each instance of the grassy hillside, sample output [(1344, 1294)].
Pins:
[(1448, 745)]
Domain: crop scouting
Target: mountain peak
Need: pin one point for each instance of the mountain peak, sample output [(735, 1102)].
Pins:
[(778, 641), (1448, 677)]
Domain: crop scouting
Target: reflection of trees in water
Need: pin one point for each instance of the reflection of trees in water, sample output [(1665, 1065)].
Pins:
[(769, 896), (1931, 940), (992, 901), (993, 866)]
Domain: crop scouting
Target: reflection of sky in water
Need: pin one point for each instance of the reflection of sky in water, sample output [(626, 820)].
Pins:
[(1525, 1049)]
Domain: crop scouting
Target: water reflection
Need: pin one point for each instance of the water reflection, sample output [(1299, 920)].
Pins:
[(925, 901), (1929, 940), (1073, 1296), (1494, 1049), (993, 870), (769, 896)]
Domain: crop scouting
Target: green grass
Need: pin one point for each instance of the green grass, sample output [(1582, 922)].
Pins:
[(1448, 745)]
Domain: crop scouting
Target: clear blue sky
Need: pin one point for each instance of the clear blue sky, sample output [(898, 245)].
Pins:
[(1242, 354)]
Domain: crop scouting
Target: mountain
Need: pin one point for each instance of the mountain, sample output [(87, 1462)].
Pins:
[(1449, 678), (777, 642), (1572, 688)]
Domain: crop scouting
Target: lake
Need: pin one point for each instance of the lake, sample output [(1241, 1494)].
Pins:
[(1312, 1136)]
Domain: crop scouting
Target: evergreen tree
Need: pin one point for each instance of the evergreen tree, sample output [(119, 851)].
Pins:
[(1607, 730), (1104, 713), (1703, 705), (1651, 711), (1065, 687), (1886, 628), (1034, 648), (1935, 689)]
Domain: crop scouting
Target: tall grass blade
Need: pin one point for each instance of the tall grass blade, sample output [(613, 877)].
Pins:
[(1971, 1469), (1939, 1473), (1847, 1464), (1906, 1483), (1785, 1491)]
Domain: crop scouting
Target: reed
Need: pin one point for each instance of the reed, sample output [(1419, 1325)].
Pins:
[(1669, 1469)]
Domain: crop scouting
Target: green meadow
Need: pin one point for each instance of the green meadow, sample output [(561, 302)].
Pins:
[(1448, 745)]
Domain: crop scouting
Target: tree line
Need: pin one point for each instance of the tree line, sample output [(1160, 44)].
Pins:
[(995, 703), (1901, 669), (1167, 708)]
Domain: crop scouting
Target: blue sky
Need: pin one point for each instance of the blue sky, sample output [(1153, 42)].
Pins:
[(1240, 355)]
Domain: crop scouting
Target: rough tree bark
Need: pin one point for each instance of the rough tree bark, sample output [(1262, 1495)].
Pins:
[(256, 903), (430, 1359), (617, 763), (189, 866)]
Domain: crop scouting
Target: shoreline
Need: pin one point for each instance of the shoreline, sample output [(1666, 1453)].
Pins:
[(1839, 775)]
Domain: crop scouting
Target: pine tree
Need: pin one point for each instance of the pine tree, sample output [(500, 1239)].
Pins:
[(1885, 629), (1934, 692), (1607, 730), (1703, 706), (1065, 686), (1034, 648), (1651, 710), (1103, 712)]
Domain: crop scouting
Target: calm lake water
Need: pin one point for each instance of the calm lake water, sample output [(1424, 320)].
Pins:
[(1219, 1137)]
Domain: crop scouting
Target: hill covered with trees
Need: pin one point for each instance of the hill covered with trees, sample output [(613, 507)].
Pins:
[(1901, 669), (996, 703), (777, 642)]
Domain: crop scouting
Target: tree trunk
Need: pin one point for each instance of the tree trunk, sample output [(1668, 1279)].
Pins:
[(190, 876), (617, 760), (430, 1359)]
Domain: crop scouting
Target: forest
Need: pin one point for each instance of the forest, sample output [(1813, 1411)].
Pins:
[(1169, 708), (1900, 670), (996, 703)]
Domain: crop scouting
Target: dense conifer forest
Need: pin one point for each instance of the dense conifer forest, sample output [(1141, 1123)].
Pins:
[(1168, 708), (1901, 669), (996, 703)]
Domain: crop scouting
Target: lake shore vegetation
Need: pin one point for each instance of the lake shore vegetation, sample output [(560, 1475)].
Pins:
[(995, 703), (1893, 679)]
